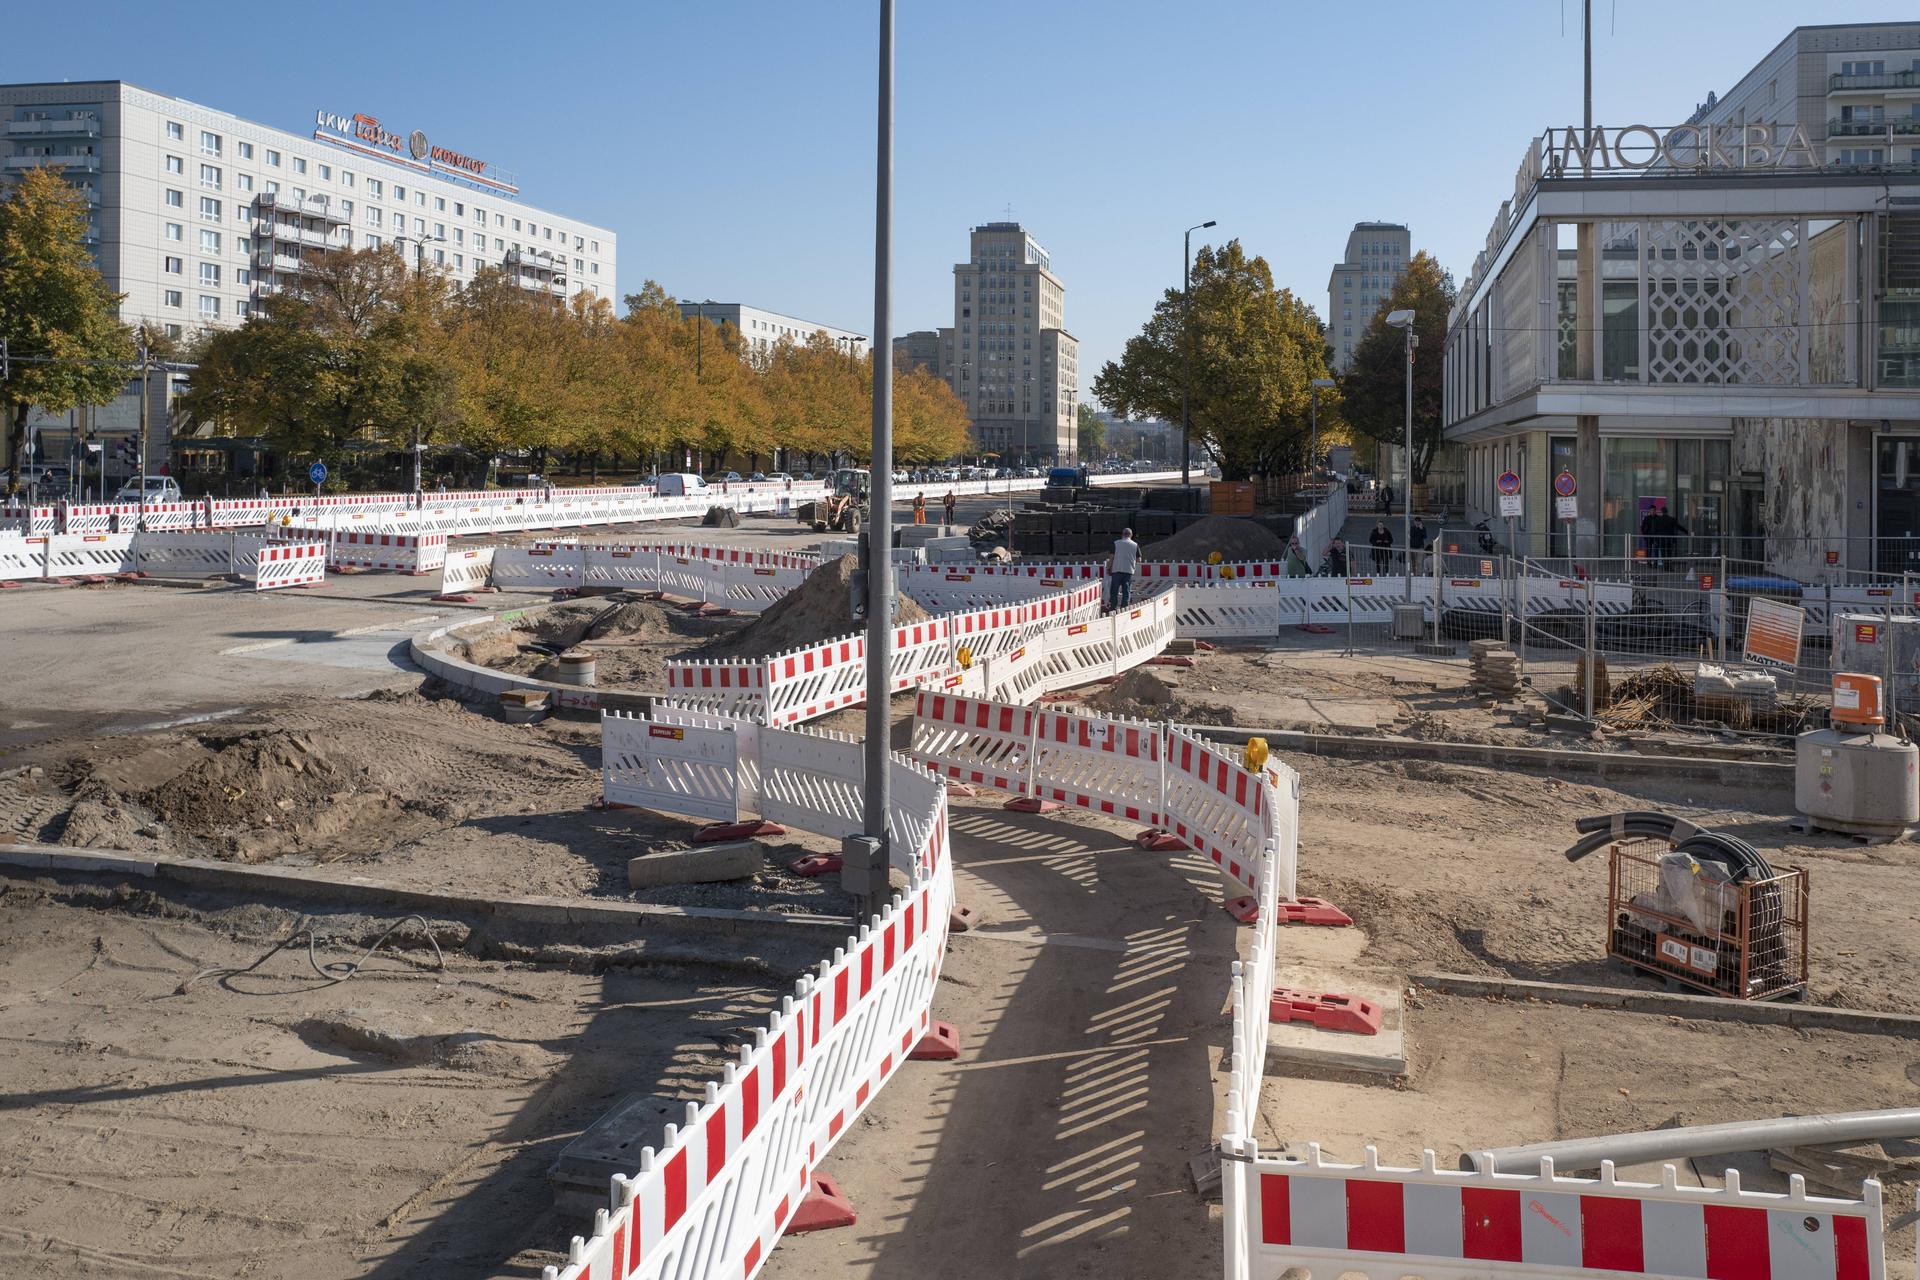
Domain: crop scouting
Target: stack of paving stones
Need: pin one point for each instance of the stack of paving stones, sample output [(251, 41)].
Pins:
[(1495, 668)]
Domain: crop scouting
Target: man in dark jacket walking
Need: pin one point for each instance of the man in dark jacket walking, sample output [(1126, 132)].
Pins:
[(1381, 539)]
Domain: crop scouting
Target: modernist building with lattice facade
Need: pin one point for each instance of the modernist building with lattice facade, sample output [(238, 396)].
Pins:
[(1717, 320)]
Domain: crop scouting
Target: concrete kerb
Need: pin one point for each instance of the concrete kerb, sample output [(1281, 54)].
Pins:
[(303, 887), (427, 654), (1601, 764), (1672, 1004)]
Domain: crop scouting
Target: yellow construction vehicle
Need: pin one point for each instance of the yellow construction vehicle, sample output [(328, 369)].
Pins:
[(845, 507)]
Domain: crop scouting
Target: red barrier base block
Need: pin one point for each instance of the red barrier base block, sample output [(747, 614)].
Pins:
[(816, 864), (961, 790), (1246, 910), (715, 832), (1329, 1011), (1031, 804), (1154, 840), (1314, 628), (823, 1207), (942, 1044), (1312, 911), (454, 599), (1170, 660), (961, 918)]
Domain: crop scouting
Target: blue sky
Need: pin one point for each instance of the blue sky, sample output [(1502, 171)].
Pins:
[(729, 143)]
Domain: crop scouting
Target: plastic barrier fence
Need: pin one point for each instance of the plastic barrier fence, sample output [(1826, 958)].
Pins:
[(1337, 1219), (716, 1194), (22, 557), (466, 569), (678, 768), (84, 555), (397, 552), (184, 555), (286, 564), (1228, 610)]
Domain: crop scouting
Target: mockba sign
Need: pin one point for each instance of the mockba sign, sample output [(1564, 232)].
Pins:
[(1564, 152)]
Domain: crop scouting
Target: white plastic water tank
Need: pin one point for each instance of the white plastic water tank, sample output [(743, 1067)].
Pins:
[(1861, 783)]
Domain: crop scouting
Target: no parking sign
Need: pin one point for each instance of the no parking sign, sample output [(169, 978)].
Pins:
[(1509, 486)]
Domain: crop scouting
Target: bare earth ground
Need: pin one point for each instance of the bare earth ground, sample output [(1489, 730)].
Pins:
[(268, 1124)]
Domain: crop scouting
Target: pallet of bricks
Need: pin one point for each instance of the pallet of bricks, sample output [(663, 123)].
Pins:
[(1495, 669)]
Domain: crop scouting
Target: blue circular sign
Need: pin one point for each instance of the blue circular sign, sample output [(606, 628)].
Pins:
[(317, 473)]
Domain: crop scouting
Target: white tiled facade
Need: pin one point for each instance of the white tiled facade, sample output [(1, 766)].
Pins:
[(1017, 367), (1376, 256), (762, 330), (1853, 88), (198, 214)]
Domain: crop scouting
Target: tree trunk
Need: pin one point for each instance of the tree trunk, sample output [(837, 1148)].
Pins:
[(16, 443)]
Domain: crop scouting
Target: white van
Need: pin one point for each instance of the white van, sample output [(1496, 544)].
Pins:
[(680, 484)]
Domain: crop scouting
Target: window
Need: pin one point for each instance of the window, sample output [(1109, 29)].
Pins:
[(420, 197), (373, 242), (273, 159), (596, 246), (419, 226), (244, 181), (500, 220), (176, 165), (210, 176), (516, 224), (173, 266), (245, 149), (209, 242), (209, 307), (440, 229), (373, 188), (273, 188), (326, 173), (480, 215), (242, 275), (346, 177), (172, 297), (459, 236), (299, 165), (594, 270), (1860, 156), (1877, 67), (299, 193), (439, 257), (210, 274), (174, 199), (209, 143), (346, 208), (175, 231), (241, 308), (578, 242), (399, 192), (439, 204), (459, 262), (578, 265), (174, 130), (373, 216), (210, 208), (173, 331)]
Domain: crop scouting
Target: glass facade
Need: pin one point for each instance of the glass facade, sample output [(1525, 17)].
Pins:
[(1687, 477)]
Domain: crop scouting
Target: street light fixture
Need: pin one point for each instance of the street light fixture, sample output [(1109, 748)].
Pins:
[(419, 269), (1186, 348), (1403, 320), (1313, 447)]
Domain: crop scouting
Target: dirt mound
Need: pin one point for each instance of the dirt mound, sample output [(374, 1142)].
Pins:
[(634, 620), (1234, 537), (1139, 693), (814, 611)]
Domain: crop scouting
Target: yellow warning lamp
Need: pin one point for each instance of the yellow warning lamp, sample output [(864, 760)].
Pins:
[(1226, 571), (1214, 557), (965, 655), (1256, 757)]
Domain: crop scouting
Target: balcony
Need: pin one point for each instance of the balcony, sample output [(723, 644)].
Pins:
[(270, 202), (1839, 82), (285, 234), (1896, 125), (88, 127), (73, 164)]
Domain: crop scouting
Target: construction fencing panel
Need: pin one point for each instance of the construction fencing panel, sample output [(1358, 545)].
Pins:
[(85, 555), (22, 557), (184, 555), (466, 569), (713, 1198), (674, 767), (1227, 610), (1221, 809), (1384, 1223), (272, 565)]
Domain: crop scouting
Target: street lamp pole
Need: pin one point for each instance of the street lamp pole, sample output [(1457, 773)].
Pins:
[(419, 269), (1403, 320), (1186, 349)]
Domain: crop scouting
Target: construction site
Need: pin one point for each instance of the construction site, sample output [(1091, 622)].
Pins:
[(499, 920)]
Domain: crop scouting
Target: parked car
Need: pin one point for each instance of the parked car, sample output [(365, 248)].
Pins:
[(778, 477), (680, 484), (758, 477), (725, 477), (159, 489)]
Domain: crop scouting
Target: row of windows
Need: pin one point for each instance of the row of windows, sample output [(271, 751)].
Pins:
[(211, 144)]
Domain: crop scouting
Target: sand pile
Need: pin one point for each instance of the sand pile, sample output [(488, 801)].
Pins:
[(814, 611), (1139, 693), (1234, 537)]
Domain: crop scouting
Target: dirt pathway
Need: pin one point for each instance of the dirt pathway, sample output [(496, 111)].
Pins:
[(1089, 1002)]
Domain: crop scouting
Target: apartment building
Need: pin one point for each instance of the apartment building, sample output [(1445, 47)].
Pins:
[(1376, 257), (917, 350), (1852, 88), (1016, 366), (198, 214), (762, 330)]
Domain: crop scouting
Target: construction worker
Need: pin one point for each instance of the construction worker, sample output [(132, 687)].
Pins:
[(920, 507), (948, 503)]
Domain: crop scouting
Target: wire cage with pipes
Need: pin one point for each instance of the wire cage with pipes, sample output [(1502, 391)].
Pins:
[(1694, 923)]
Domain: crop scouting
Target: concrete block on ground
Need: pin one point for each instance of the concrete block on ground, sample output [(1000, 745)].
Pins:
[(735, 860), (1298, 1042)]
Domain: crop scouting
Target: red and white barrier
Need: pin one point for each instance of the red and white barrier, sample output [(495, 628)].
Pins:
[(397, 552), (287, 564), (714, 1197), (466, 569), (1384, 1222)]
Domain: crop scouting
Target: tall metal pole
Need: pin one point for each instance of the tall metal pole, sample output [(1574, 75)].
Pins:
[(146, 380), (1186, 354), (1313, 440), (1586, 46), (880, 524), (1406, 514)]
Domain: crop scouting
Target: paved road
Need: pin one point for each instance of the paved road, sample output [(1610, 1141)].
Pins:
[(1089, 1003)]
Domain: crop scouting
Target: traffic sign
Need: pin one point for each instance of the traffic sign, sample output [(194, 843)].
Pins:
[(1566, 508), (1508, 482), (317, 473), (1563, 484), (1510, 506)]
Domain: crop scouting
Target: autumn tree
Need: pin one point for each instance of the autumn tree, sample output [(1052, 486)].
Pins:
[(929, 420), (1373, 388), (66, 346), (1253, 351)]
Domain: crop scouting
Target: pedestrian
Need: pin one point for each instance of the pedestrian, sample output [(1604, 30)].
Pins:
[(1381, 539), (948, 502), (1336, 561), (1386, 497), (1120, 567), (920, 507), (1417, 535), (1297, 566)]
